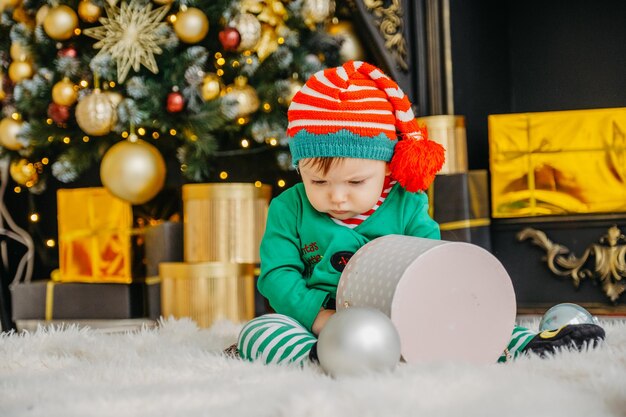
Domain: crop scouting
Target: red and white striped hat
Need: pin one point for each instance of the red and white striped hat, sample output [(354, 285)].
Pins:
[(356, 111)]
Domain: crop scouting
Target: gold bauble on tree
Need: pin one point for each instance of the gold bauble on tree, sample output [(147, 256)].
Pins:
[(95, 114), (42, 12), (249, 29), (133, 170), (191, 25), (211, 87), (20, 70), (60, 23), (23, 172), (163, 2), (351, 47), (114, 97), (88, 11), (9, 129), (18, 52), (64, 92), (245, 96), (294, 86)]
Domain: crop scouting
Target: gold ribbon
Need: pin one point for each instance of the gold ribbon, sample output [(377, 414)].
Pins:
[(464, 224), (49, 300), (152, 280)]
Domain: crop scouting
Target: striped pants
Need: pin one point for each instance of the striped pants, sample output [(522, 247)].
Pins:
[(275, 338)]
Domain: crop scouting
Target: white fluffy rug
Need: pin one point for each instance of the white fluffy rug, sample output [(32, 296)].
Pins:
[(178, 370)]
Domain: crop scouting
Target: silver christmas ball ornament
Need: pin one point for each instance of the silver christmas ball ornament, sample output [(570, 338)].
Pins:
[(564, 314), (358, 340)]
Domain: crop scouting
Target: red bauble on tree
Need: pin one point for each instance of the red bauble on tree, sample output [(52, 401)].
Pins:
[(58, 113), (69, 52), (175, 102), (230, 38)]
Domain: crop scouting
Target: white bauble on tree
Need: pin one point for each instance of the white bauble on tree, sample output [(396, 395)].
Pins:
[(95, 114), (245, 96), (317, 11), (133, 170), (249, 29)]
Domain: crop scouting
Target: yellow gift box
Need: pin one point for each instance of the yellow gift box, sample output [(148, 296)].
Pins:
[(95, 236), (556, 163), (207, 291), (224, 222)]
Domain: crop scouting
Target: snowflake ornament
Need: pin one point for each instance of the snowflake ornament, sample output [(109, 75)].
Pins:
[(132, 35)]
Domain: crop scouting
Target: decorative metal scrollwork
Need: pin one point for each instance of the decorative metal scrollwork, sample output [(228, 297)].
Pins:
[(389, 21), (609, 254)]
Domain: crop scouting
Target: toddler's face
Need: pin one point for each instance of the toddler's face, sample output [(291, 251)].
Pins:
[(352, 186)]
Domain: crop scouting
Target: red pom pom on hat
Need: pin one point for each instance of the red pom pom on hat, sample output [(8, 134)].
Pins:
[(416, 160)]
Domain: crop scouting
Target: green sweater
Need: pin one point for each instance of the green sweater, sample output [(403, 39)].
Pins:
[(303, 251)]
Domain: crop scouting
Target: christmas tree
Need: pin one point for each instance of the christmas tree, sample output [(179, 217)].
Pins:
[(196, 89)]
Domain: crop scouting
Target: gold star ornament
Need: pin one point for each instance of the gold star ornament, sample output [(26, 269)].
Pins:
[(131, 34)]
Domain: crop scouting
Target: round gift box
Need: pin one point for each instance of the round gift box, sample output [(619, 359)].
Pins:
[(448, 300)]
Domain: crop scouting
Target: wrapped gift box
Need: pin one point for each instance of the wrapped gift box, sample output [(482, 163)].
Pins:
[(555, 163), (449, 131), (96, 240), (49, 300), (460, 204), (208, 291), (224, 222)]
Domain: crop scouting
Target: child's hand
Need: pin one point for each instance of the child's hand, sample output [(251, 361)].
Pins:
[(320, 320)]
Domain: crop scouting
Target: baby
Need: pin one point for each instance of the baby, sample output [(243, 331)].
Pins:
[(365, 164)]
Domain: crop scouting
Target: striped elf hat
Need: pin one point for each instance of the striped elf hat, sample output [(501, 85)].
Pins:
[(356, 111)]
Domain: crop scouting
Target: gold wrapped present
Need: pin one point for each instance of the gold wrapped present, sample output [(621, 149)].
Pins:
[(558, 162), (95, 237), (207, 291), (224, 222), (449, 132)]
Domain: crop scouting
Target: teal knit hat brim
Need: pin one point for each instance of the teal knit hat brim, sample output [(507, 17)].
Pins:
[(342, 144)]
